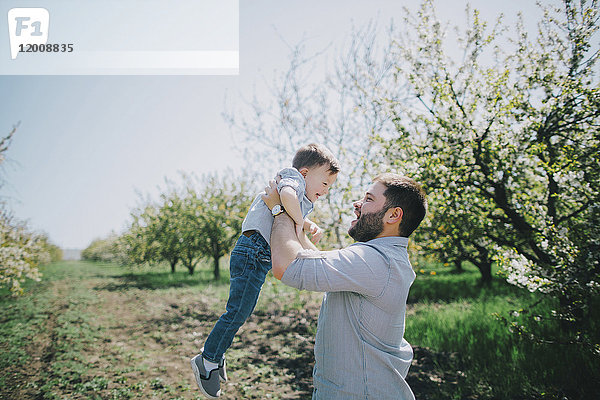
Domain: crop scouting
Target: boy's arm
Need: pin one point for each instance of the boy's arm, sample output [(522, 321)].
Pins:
[(291, 204), (314, 229), (306, 244)]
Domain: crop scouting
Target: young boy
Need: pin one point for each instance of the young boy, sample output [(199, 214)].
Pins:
[(314, 170)]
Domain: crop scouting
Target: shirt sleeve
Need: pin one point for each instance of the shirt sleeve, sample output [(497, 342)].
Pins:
[(292, 178), (358, 268)]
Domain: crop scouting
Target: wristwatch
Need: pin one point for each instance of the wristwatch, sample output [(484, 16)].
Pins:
[(277, 209)]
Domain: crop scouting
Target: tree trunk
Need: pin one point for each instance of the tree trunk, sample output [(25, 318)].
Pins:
[(486, 272), (458, 266), (173, 263), (484, 264), (217, 272), (189, 264), (338, 236)]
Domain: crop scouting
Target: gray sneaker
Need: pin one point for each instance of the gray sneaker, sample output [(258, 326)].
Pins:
[(223, 370), (222, 367), (207, 382)]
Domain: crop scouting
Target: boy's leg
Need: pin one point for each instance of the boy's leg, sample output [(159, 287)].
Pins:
[(250, 262), (249, 267)]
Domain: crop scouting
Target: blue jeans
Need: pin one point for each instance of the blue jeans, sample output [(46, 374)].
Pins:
[(248, 267)]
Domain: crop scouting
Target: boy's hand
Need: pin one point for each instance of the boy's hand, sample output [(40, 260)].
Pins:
[(317, 235), (315, 232)]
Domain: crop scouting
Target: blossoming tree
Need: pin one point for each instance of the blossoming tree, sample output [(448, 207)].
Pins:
[(21, 251), (507, 141)]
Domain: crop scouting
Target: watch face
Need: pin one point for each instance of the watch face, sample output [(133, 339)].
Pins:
[(276, 209)]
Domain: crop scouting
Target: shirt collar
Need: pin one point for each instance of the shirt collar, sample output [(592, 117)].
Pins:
[(390, 241)]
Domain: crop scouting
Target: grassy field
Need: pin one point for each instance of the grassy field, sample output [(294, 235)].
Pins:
[(98, 331)]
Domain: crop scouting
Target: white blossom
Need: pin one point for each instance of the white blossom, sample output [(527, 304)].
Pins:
[(20, 254)]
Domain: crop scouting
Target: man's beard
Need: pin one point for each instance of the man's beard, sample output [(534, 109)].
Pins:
[(368, 226)]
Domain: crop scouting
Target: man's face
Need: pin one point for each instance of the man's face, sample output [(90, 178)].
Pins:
[(369, 214), (318, 181)]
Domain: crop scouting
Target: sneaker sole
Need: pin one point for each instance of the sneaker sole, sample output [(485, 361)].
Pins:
[(199, 380)]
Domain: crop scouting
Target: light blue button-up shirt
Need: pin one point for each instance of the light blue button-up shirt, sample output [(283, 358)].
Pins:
[(360, 350), (259, 217)]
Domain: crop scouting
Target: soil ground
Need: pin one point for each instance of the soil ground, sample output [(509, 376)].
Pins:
[(143, 336)]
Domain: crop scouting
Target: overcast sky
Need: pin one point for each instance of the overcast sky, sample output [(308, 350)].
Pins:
[(85, 144)]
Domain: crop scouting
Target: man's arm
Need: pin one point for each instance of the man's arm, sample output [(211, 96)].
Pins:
[(285, 245), (341, 270)]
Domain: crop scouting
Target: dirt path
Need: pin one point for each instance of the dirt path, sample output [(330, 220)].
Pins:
[(132, 340), (24, 382), (149, 337)]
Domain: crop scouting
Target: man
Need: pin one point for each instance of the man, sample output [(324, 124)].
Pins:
[(360, 351)]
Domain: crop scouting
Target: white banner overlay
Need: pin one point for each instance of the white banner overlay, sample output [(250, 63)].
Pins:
[(125, 37)]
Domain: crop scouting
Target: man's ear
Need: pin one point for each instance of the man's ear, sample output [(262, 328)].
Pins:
[(394, 215), (303, 171)]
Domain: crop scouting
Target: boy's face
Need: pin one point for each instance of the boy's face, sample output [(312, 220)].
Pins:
[(318, 181)]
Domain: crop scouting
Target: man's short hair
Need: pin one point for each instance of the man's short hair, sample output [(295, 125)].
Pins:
[(403, 192), (315, 155)]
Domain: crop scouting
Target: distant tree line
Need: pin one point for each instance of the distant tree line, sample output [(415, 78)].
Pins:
[(199, 221)]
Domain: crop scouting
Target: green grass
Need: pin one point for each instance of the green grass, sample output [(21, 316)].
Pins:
[(63, 319), (66, 318), (453, 313), (160, 278), (48, 326)]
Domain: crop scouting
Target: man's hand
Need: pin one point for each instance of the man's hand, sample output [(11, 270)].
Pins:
[(271, 196)]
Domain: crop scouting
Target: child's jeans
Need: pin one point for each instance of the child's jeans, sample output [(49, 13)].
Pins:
[(248, 267)]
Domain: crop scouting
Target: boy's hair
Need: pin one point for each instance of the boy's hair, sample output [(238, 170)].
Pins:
[(315, 155), (407, 194)]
